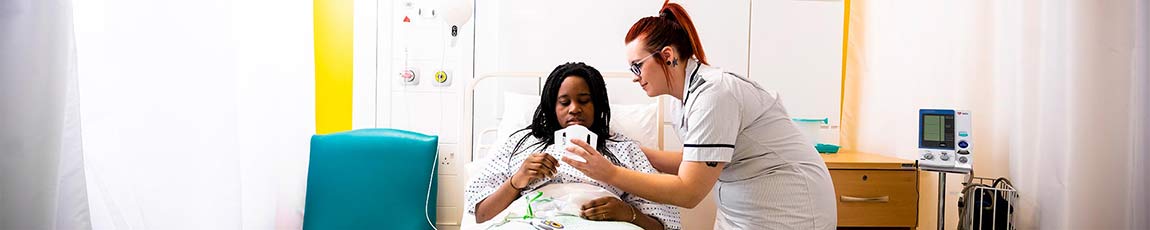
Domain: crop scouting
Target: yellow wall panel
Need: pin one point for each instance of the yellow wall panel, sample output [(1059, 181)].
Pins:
[(333, 64)]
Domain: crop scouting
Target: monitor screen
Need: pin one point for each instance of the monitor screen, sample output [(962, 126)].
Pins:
[(937, 131)]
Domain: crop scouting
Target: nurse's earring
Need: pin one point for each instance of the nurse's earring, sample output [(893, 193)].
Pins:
[(673, 63)]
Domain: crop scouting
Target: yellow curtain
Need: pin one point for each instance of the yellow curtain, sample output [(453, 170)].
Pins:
[(851, 75)]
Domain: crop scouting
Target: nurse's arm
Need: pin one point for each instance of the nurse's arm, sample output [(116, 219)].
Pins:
[(687, 189), (664, 161)]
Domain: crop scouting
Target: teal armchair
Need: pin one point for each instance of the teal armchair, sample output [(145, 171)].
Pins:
[(371, 179)]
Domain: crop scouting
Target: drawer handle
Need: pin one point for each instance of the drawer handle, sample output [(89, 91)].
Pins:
[(881, 199)]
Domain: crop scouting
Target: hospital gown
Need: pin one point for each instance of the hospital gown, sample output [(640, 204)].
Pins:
[(499, 167)]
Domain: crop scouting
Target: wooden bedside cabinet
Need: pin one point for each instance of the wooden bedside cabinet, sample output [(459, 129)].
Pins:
[(874, 190)]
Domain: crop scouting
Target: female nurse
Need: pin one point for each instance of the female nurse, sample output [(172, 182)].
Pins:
[(738, 140)]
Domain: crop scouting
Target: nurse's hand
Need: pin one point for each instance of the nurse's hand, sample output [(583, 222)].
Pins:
[(608, 209), (598, 167), (535, 167)]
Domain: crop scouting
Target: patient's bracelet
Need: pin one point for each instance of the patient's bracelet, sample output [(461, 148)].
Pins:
[(511, 182), (633, 215)]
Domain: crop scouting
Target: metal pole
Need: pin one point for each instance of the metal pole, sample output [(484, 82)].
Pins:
[(941, 200)]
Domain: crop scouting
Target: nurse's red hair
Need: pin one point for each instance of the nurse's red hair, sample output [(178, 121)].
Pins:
[(673, 27)]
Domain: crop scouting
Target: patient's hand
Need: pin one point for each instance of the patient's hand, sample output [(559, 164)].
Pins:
[(608, 209), (537, 166)]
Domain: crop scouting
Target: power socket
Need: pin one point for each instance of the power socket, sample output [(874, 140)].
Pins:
[(448, 160)]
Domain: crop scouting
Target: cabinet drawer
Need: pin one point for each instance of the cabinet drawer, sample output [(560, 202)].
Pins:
[(873, 198)]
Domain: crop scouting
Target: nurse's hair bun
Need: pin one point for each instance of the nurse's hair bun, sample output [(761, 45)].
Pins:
[(667, 14), (673, 27)]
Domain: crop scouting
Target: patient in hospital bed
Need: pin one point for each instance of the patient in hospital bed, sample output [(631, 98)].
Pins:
[(523, 185)]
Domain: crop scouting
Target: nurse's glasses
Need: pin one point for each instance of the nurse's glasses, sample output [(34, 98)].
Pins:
[(635, 65)]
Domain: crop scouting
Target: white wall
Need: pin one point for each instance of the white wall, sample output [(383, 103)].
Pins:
[(197, 115)]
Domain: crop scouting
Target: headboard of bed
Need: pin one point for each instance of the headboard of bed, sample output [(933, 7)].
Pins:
[(490, 97)]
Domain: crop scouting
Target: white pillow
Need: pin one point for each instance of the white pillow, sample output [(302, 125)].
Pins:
[(637, 121), (517, 111)]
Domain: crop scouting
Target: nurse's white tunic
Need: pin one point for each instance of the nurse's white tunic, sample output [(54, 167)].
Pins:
[(773, 178)]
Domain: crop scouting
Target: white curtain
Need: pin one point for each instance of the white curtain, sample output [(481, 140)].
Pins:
[(197, 114), (41, 165), (1058, 89), (1078, 137), (1141, 108)]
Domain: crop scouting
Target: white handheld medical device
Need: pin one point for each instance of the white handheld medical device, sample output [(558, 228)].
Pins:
[(564, 136), (944, 140)]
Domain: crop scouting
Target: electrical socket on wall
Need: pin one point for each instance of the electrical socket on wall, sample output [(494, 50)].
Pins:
[(448, 161)]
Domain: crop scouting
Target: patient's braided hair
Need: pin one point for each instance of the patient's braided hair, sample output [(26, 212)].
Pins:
[(544, 122)]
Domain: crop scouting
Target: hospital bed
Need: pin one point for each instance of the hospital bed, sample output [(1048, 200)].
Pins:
[(497, 104)]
